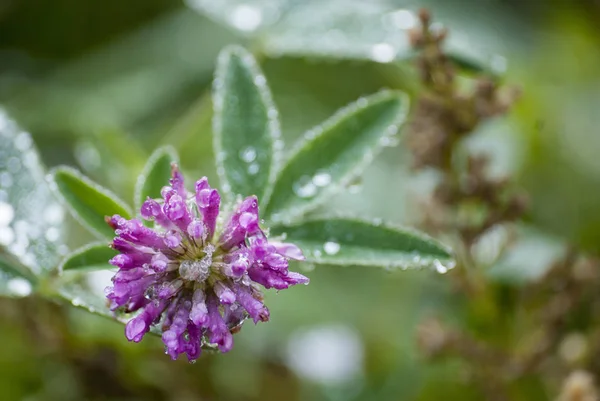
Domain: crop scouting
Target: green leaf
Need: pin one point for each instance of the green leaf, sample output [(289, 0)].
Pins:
[(93, 256), (15, 279), (83, 289), (156, 174), (335, 153), (31, 220), (88, 201), (354, 242), (245, 125), (341, 30)]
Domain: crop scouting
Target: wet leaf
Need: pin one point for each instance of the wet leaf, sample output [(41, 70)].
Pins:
[(337, 29), (156, 174), (93, 256), (245, 125), (15, 279), (88, 201), (31, 220), (348, 242), (331, 155)]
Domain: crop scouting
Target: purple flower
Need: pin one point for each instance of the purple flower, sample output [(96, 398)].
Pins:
[(193, 282)]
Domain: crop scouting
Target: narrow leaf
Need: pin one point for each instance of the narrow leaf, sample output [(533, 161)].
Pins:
[(335, 153), (88, 201), (245, 125), (15, 279), (93, 256), (155, 175), (345, 241), (31, 219), (344, 30)]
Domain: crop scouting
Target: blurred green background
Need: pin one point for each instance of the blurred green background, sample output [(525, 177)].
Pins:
[(100, 84)]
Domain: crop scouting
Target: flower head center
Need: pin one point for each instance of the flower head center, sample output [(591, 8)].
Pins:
[(198, 270)]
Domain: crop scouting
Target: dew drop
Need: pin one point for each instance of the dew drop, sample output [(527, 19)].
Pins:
[(253, 169), (6, 179), (321, 179), (331, 247), (13, 165), (317, 253), (7, 213), (248, 154), (246, 17), (53, 214), (400, 19), (7, 236), (23, 141), (52, 234), (389, 141), (355, 186), (19, 287), (260, 80), (305, 188), (439, 267), (307, 267), (383, 53)]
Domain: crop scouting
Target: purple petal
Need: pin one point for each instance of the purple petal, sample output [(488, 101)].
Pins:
[(218, 332), (242, 223), (152, 211), (208, 201), (255, 308), (139, 325), (268, 278), (196, 230), (199, 313), (138, 234), (177, 181), (225, 294), (176, 210), (193, 347)]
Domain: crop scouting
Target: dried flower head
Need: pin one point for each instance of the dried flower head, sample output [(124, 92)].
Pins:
[(193, 281)]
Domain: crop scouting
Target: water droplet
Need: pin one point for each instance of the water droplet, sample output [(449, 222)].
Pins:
[(19, 287), (13, 165), (321, 178), (260, 80), (253, 169), (389, 141), (7, 213), (7, 235), (192, 361), (246, 17), (440, 267), (383, 53), (6, 179), (248, 154), (307, 267), (23, 141), (355, 186), (400, 19), (52, 234), (305, 188), (331, 247), (316, 253), (53, 214)]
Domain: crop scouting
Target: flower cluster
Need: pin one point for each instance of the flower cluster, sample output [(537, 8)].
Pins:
[(185, 276)]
